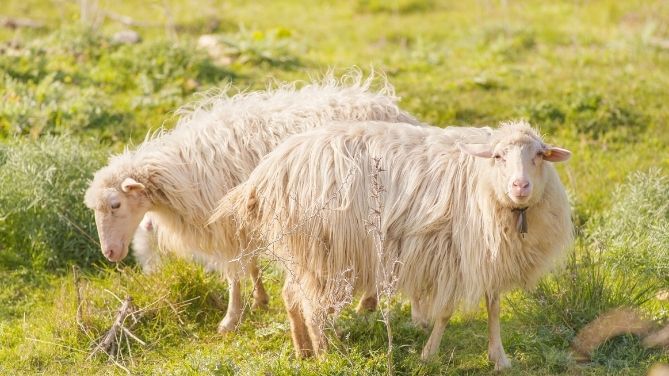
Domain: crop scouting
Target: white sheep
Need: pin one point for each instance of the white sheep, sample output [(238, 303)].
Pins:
[(178, 176), (467, 213)]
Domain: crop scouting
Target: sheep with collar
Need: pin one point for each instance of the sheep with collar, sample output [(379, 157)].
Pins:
[(468, 213)]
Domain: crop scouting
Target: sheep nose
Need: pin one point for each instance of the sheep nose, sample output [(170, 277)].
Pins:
[(521, 183), (109, 254)]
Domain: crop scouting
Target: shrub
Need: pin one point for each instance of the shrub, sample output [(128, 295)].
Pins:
[(399, 6), (52, 107), (548, 115), (596, 116), (602, 117), (572, 297), (509, 44), (633, 236), (75, 81), (43, 221), (272, 48)]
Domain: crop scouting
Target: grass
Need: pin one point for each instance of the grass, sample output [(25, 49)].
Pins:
[(591, 75)]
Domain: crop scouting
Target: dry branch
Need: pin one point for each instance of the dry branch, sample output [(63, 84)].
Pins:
[(385, 273), (127, 20), (17, 22), (77, 290), (109, 342), (659, 43)]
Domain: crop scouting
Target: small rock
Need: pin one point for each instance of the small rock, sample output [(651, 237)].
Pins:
[(126, 37), (191, 84), (207, 41), (214, 48)]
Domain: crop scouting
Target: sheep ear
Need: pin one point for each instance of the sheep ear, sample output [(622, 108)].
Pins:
[(556, 154), (130, 184), (477, 150)]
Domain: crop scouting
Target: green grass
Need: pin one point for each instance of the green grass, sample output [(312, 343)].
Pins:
[(589, 74)]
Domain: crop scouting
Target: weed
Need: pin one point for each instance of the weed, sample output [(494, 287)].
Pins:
[(43, 221)]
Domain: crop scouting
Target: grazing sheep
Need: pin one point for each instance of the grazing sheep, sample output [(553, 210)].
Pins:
[(467, 213), (178, 176)]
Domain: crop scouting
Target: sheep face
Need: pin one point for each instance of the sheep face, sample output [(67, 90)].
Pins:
[(517, 174), (118, 212)]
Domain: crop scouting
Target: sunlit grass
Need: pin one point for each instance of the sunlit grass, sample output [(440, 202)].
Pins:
[(590, 75)]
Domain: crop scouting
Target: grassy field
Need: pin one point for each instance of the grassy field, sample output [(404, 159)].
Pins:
[(592, 75)]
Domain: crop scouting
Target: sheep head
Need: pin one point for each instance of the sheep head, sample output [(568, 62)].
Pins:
[(120, 203), (516, 157)]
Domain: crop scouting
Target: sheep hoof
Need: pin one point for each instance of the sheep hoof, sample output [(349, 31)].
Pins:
[(304, 353), (261, 302), (501, 362), (428, 352), (420, 323), (425, 356), (228, 324)]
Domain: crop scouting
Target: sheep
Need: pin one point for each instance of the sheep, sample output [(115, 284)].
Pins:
[(178, 176), (467, 213)]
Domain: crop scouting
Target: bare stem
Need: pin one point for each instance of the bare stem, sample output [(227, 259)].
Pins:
[(80, 302), (108, 342), (386, 278)]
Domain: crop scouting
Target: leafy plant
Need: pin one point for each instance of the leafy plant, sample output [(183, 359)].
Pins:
[(43, 221), (274, 48), (633, 236)]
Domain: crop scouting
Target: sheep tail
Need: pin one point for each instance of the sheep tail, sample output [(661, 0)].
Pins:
[(241, 204)]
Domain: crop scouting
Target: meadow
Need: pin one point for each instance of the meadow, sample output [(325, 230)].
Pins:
[(593, 76)]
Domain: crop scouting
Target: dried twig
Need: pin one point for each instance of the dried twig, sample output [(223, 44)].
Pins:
[(77, 290), (177, 313), (127, 20), (55, 344), (108, 344), (17, 22), (131, 335), (90, 13), (659, 43), (170, 28), (78, 228), (385, 274)]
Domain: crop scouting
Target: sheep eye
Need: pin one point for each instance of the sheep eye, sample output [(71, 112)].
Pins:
[(497, 157), (116, 205)]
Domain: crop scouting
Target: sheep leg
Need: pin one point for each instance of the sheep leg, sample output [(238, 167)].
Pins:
[(417, 314), (260, 297), (367, 303), (315, 322), (298, 328), (234, 314), (432, 345), (145, 246), (496, 352)]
